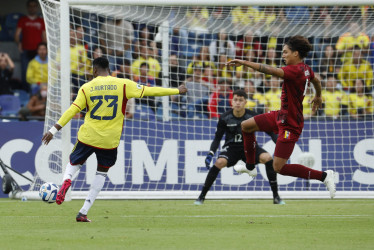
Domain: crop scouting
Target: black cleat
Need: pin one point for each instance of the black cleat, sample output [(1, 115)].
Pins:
[(199, 201), (82, 218), (277, 200)]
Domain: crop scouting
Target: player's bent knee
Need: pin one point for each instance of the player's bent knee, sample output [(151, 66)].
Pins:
[(221, 163), (249, 126)]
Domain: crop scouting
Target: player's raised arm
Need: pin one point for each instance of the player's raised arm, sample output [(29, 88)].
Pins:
[(317, 100), (263, 68)]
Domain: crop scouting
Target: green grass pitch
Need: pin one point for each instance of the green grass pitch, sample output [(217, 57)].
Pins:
[(178, 224)]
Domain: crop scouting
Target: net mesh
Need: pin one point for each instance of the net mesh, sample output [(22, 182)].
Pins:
[(165, 141)]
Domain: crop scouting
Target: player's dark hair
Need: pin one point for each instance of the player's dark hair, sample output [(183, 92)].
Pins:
[(42, 44), (240, 92), (31, 1), (299, 44), (101, 62), (144, 64)]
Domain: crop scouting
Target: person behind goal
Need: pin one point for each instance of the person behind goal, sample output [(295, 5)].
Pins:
[(105, 98), (288, 122), (229, 124)]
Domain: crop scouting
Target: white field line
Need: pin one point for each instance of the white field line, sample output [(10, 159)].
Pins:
[(247, 216), (212, 216)]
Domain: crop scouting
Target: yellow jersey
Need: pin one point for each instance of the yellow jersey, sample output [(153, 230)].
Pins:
[(37, 71), (356, 103), (333, 102), (78, 59), (273, 99), (154, 67), (256, 99), (105, 98)]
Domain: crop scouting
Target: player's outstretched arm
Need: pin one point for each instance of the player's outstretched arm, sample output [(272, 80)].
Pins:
[(263, 68), (47, 137), (317, 100), (159, 91)]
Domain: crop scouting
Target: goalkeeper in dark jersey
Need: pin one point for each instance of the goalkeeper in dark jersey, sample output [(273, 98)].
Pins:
[(233, 150)]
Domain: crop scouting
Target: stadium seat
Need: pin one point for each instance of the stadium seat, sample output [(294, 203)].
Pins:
[(9, 105), (23, 96), (144, 112), (11, 21)]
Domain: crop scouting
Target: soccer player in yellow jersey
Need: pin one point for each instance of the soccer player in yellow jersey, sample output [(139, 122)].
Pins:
[(105, 98)]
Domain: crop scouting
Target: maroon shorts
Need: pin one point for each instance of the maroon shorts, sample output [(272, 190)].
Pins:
[(287, 137)]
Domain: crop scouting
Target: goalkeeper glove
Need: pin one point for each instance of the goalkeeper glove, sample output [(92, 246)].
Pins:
[(208, 159)]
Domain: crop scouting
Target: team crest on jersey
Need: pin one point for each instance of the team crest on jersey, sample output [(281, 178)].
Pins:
[(287, 134), (307, 73)]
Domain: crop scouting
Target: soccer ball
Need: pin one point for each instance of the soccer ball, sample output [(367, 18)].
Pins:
[(48, 192)]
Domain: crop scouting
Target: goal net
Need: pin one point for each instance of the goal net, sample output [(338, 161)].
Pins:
[(165, 140)]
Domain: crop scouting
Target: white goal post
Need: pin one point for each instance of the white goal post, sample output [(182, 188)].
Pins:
[(162, 151)]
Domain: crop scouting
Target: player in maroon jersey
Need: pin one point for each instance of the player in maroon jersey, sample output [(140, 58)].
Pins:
[(288, 122)]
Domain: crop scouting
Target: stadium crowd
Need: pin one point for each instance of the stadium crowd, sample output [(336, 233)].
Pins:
[(198, 59)]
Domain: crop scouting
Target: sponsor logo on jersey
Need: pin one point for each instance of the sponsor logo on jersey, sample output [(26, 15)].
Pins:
[(287, 134), (232, 125), (139, 86), (307, 73)]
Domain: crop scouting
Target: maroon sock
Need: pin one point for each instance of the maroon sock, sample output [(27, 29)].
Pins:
[(301, 171), (249, 140)]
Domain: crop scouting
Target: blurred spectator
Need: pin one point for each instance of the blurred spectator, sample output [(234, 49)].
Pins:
[(271, 59), (371, 51), (208, 76), (29, 33), (307, 106), (273, 96), (224, 70), (36, 105), (256, 101), (176, 72), (270, 16), (6, 72), (124, 71), (219, 13), (359, 104), (222, 45), (78, 61), (351, 39), (248, 42), (198, 95), (244, 73), (202, 60), (297, 14), (220, 100), (244, 17), (153, 65), (197, 19), (116, 35), (96, 52), (145, 79), (329, 63), (178, 42), (37, 70), (334, 100), (356, 68)]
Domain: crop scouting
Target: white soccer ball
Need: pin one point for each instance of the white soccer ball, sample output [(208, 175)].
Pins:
[(48, 192)]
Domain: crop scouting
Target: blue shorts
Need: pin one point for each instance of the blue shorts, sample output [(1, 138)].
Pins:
[(105, 157)]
